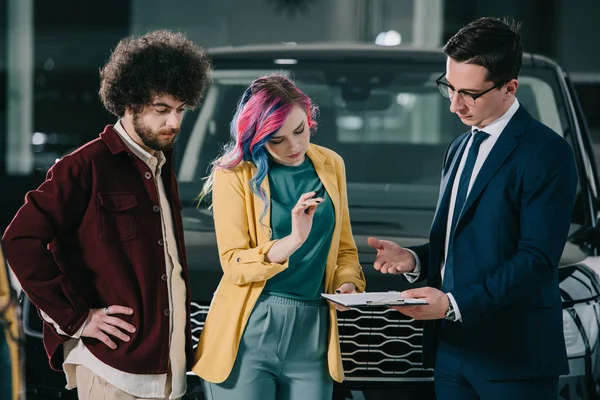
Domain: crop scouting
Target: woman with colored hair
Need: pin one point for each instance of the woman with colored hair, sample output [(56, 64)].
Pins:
[(284, 237)]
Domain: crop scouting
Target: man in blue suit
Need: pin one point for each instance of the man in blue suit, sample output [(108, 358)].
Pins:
[(493, 325)]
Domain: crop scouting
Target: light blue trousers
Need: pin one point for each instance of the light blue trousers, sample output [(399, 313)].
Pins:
[(282, 354)]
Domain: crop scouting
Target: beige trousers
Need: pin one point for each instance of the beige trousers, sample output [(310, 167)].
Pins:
[(91, 387)]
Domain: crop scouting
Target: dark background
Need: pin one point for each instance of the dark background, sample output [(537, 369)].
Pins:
[(72, 39)]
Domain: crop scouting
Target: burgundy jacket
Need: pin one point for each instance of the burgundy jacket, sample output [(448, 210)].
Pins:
[(90, 236)]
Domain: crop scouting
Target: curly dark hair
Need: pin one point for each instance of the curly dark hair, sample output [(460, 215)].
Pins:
[(160, 62)]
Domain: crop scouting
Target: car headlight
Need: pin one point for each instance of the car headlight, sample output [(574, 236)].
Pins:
[(580, 329)]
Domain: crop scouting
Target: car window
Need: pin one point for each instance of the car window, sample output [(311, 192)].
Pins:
[(388, 121)]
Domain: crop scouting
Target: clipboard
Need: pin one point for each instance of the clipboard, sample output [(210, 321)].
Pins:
[(373, 299)]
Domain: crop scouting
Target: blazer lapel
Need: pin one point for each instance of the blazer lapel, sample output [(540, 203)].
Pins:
[(264, 233), (328, 176), (506, 144), (441, 213)]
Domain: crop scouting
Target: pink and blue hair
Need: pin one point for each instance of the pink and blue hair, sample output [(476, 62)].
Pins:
[(260, 113)]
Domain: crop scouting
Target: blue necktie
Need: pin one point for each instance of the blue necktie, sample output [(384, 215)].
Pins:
[(461, 197)]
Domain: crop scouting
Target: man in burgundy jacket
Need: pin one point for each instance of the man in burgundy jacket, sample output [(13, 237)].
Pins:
[(99, 248)]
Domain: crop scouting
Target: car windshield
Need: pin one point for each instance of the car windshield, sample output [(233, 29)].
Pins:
[(388, 121)]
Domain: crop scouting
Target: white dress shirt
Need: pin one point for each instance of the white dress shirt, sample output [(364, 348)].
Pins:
[(494, 130)]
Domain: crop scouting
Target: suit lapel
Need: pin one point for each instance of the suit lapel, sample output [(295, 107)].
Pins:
[(506, 144), (440, 219), (441, 212)]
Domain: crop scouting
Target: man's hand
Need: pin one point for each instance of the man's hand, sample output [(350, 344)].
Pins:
[(345, 288), (100, 323), (391, 257), (436, 309)]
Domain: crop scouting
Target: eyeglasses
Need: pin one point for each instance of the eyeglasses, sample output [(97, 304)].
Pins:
[(469, 98)]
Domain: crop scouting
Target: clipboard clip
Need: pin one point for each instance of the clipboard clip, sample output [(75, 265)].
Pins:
[(385, 303)]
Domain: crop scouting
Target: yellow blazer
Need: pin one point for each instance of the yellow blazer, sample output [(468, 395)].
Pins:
[(243, 243), (12, 330)]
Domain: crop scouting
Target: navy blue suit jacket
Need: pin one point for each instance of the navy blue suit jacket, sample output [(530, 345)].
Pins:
[(507, 247)]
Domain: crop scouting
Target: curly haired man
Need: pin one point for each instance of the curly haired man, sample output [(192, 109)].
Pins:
[(99, 248)]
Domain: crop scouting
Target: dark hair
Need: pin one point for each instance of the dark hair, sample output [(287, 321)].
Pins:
[(160, 62), (492, 43)]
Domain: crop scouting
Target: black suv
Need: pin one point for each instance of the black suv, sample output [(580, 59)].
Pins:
[(381, 111)]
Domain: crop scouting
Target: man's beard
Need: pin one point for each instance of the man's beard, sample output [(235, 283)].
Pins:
[(152, 139)]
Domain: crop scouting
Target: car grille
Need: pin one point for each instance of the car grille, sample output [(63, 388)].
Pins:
[(197, 316), (381, 345)]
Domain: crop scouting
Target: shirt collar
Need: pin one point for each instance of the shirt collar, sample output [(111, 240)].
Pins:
[(496, 127), (138, 150)]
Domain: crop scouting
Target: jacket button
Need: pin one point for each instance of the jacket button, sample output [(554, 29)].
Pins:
[(156, 208), (147, 175), (163, 277), (161, 242), (167, 312), (239, 259)]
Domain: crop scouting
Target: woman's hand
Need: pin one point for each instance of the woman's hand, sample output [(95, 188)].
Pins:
[(345, 288), (302, 216)]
